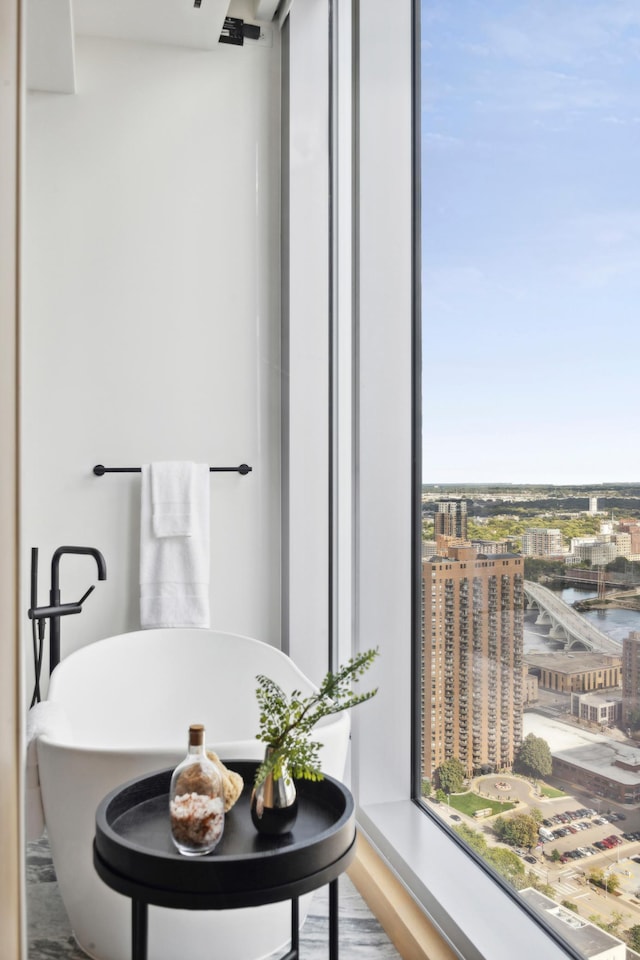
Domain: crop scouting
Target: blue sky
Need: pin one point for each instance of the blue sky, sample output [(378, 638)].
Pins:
[(531, 240)]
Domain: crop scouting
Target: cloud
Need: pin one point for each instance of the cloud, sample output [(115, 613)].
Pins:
[(536, 58), (434, 139)]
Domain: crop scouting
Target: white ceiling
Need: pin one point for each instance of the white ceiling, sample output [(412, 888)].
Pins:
[(177, 22), (52, 26)]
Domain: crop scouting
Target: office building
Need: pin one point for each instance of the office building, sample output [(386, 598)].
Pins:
[(603, 709), (582, 672), (451, 519), (472, 660), (597, 552)]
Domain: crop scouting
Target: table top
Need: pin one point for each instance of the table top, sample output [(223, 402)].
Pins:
[(134, 853)]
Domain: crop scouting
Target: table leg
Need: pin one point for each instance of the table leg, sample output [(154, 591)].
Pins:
[(295, 927), (333, 920), (139, 930), (293, 953)]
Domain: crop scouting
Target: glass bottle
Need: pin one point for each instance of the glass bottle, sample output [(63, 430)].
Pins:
[(196, 799)]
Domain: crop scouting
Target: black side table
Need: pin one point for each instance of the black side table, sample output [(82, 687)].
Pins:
[(134, 854)]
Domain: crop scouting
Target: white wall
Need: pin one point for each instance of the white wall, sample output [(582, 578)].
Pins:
[(152, 320)]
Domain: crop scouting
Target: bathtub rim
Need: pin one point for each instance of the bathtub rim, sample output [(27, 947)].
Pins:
[(233, 748)]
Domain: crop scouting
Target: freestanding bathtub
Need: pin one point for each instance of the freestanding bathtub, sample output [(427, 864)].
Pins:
[(129, 701)]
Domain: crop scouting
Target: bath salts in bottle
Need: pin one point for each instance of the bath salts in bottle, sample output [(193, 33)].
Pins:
[(196, 799)]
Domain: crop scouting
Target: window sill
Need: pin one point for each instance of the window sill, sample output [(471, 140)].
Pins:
[(402, 919), (464, 904)]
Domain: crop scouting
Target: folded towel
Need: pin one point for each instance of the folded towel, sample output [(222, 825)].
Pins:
[(174, 571), (172, 491), (47, 718)]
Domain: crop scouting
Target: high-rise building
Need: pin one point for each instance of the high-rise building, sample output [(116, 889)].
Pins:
[(622, 543), (451, 518), (631, 680), (542, 542), (473, 660)]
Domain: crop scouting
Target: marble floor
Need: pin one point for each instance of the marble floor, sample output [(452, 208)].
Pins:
[(50, 938)]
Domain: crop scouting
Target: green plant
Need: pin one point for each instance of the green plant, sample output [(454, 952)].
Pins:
[(286, 721)]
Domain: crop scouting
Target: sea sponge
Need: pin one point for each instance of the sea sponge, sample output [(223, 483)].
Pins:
[(232, 782)]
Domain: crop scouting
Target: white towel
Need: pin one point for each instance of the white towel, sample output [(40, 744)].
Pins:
[(172, 492), (47, 718), (174, 571)]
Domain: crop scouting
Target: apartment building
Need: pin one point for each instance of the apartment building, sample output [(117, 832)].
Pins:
[(631, 679), (542, 542), (451, 519), (473, 659)]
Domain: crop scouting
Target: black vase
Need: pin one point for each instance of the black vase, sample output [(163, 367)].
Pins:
[(274, 804)]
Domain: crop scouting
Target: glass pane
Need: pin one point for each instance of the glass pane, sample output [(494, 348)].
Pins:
[(531, 484)]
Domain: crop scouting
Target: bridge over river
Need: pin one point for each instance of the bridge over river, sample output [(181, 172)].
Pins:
[(567, 625)]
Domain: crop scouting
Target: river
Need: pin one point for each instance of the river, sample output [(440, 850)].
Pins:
[(616, 623)]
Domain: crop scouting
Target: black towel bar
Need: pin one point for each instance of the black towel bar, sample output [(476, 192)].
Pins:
[(99, 470)]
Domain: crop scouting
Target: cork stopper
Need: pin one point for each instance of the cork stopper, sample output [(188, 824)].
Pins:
[(196, 735)]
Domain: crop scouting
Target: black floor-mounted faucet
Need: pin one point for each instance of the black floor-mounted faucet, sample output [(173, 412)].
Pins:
[(55, 610)]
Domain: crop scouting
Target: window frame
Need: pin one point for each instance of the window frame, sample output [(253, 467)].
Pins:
[(371, 234)]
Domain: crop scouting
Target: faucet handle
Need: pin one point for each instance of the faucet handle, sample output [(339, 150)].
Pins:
[(85, 595)]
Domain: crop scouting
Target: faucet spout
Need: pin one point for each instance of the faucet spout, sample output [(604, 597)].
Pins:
[(54, 595), (88, 551)]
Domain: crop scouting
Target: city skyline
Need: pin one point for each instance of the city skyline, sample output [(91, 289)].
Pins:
[(531, 240)]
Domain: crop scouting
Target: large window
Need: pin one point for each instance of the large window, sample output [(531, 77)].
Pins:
[(460, 896), (530, 497)]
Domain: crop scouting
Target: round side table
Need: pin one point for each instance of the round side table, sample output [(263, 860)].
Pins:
[(133, 853)]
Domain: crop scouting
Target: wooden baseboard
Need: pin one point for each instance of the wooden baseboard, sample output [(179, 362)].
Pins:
[(412, 934)]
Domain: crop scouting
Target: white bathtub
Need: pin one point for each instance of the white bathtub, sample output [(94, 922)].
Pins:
[(129, 700)]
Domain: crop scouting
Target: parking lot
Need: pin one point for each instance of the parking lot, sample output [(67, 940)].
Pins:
[(582, 832), (590, 833), (589, 839)]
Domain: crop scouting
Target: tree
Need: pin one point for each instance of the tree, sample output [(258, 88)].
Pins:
[(520, 830), (537, 569), (534, 757), (508, 864), (633, 937), (451, 775), (612, 882), (611, 925), (499, 827), (607, 881), (473, 838), (426, 787), (555, 854), (441, 796)]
